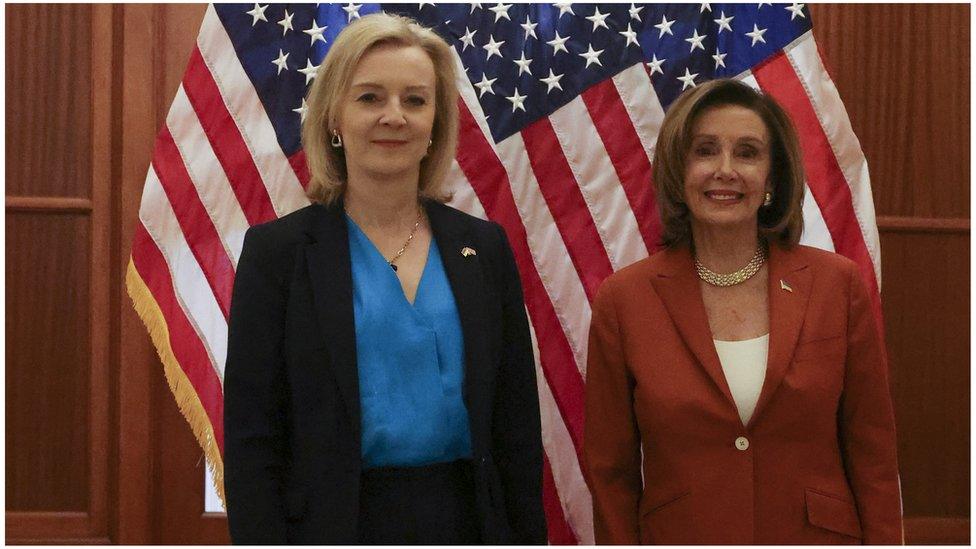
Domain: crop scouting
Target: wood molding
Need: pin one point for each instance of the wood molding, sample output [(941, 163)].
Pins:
[(58, 541), (937, 530), (48, 204), (56, 525), (893, 223)]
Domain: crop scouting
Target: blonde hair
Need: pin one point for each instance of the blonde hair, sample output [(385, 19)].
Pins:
[(326, 164), (782, 220)]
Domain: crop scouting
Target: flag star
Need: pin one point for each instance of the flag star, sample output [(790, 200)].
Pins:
[(501, 10), (655, 64), (634, 12), (761, 4), (665, 26), (696, 41), (485, 85), (558, 43), (281, 61), (315, 32), (523, 64), (475, 6), (310, 71), (598, 19), (591, 56), (529, 27), (286, 23), (724, 23), (302, 110), (421, 5), (492, 47), (517, 101), (258, 13), (552, 81), (757, 34), (719, 59), (352, 10), (564, 7), (630, 35), (688, 80), (705, 6), (796, 9), (468, 38)]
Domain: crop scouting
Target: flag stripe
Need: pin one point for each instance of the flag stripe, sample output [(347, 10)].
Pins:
[(193, 218), (824, 177), (184, 340), (562, 194), (490, 182), (208, 177), (598, 182), (560, 532), (226, 140), (627, 154)]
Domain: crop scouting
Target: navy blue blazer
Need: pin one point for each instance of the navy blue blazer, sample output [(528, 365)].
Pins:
[(292, 459)]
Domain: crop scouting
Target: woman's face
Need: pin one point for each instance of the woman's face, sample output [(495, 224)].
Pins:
[(386, 116), (727, 168)]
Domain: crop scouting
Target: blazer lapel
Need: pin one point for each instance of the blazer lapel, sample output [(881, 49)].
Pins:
[(677, 285), (789, 292), (330, 275), (468, 286)]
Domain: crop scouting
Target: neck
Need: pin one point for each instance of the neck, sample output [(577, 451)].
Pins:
[(722, 249), (385, 203)]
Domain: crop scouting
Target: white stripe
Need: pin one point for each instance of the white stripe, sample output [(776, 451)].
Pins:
[(245, 107), (598, 183), (642, 104), (574, 496), (549, 254), (463, 196), (208, 176), (827, 104), (189, 283), (815, 231)]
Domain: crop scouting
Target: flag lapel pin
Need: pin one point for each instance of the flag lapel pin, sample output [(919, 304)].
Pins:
[(783, 285), (466, 251)]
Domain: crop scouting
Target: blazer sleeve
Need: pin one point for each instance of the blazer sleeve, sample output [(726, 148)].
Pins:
[(867, 425), (254, 399), (611, 442), (516, 425)]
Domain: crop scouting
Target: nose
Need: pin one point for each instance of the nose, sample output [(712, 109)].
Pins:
[(393, 114), (724, 169)]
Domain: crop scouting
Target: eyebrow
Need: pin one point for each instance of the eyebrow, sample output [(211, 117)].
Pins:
[(746, 138), (422, 87)]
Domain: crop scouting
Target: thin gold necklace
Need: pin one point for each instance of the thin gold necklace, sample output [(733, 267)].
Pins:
[(738, 277), (413, 231)]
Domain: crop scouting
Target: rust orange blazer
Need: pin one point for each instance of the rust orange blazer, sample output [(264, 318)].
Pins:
[(815, 465)]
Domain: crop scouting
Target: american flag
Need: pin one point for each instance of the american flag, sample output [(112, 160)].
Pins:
[(560, 107)]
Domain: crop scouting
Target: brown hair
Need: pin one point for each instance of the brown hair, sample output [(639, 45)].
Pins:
[(781, 221), (326, 164)]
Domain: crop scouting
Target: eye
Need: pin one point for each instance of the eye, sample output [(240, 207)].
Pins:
[(705, 149), (416, 101), (748, 152), (368, 97)]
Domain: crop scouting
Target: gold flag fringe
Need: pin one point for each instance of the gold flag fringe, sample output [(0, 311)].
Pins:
[(186, 397)]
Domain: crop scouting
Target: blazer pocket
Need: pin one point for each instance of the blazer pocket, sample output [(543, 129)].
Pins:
[(824, 349), (295, 505), (660, 505), (832, 513)]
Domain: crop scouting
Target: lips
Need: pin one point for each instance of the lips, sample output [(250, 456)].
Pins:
[(389, 142), (724, 195)]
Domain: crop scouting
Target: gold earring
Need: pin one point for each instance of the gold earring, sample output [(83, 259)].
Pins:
[(768, 200), (336, 140)]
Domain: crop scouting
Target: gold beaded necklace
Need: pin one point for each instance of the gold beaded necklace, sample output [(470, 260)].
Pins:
[(738, 277)]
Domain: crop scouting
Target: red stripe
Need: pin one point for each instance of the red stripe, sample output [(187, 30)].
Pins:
[(824, 176), (490, 182), (560, 533), (227, 141), (568, 207), (300, 166), (185, 342), (195, 222), (627, 155)]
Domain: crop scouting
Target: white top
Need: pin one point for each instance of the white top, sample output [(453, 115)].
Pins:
[(744, 364)]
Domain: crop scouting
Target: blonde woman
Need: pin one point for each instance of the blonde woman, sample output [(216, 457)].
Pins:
[(380, 385)]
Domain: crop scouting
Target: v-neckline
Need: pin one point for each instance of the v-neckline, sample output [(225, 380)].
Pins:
[(390, 272)]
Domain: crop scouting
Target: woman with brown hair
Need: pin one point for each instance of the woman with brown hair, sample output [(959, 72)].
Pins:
[(380, 383), (737, 389)]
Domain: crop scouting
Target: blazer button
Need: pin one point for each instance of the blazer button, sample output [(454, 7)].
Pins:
[(742, 443)]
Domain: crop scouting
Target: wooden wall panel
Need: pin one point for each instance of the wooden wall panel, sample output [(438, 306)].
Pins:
[(48, 105), (903, 73), (48, 344)]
